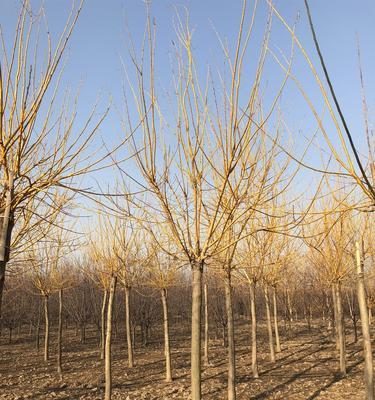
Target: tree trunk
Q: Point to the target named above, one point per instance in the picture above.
(107, 361)
(167, 351)
(335, 316)
(367, 350)
(230, 335)
(7, 223)
(46, 329)
(5, 240)
(37, 342)
(206, 337)
(277, 337)
(134, 328)
(102, 328)
(128, 327)
(254, 351)
(289, 309)
(355, 328)
(269, 325)
(196, 305)
(353, 314)
(340, 329)
(59, 335)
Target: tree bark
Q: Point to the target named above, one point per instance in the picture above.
(254, 350)
(6, 241)
(37, 341)
(196, 305)
(289, 308)
(128, 327)
(167, 351)
(269, 325)
(102, 328)
(340, 328)
(277, 336)
(230, 335)
(7, 223)
(46, 329)
(59, 336)
(367, 349)
(335, 316)
(107, 361)
(206, 337)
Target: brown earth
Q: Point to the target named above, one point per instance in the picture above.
(305, 369)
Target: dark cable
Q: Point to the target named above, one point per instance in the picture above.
(368, 183)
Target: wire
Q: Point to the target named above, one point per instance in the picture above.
(368, 183)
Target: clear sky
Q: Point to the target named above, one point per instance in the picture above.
(100, 41)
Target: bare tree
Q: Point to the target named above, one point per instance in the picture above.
(190, 185)
(42, 148)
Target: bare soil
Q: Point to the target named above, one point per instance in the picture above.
(305, 369)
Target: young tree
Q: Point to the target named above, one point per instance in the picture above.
(126, 248)
(162, 273)
(102, 250)
(40, 149)
(329, 254)
(189, 186)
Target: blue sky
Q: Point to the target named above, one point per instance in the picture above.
(100, 41)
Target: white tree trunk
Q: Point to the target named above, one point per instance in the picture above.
(254, 350)
(167, 351)
(367, 349)
(230, 335)
(276, 325)
(107, 360)
(102, 327)
(46, 329)
(340, 328)
(197, 270)
(269, 325)
(128, 328)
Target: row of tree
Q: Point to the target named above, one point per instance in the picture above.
(208, 186)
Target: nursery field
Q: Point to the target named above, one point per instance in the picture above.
(305, 369)
(187, 200)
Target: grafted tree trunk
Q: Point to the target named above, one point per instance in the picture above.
(230, 335)
(102, 328)
(46, 328)
(196, 305)
(367, 348)
(59, 336)
(108, 339)
(269, 325)
(128, 327)
(340, 328)
(277, 337)
(206, 337)
(254, 350)
(167, 351)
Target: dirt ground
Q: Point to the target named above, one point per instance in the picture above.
(305, 369)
